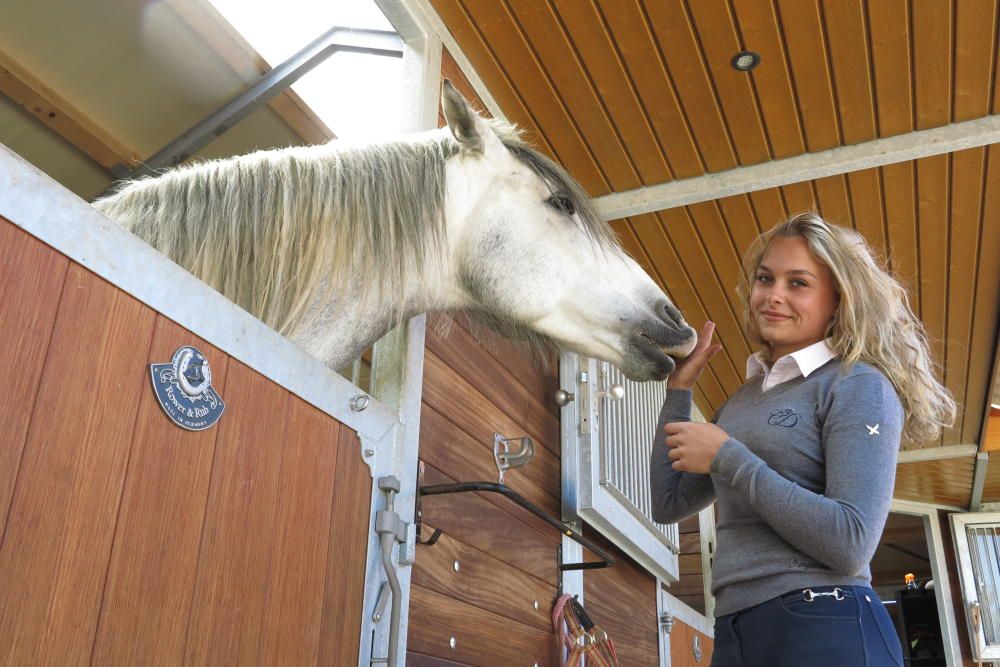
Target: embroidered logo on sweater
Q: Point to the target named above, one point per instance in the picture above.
(785, 417)
(872, 430)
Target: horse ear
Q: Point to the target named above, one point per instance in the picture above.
(465, 124)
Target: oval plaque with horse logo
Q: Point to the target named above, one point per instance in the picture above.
(184, 390)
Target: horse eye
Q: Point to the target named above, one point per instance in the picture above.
(562, 204)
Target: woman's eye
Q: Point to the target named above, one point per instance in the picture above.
(763, 279)
(562, 204)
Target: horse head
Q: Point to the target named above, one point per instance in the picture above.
(529, 252)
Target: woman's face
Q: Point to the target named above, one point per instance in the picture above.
(793, 297)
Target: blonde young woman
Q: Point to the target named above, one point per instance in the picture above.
(801, 459)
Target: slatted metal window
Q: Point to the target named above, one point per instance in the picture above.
(977, 543)
(607, 437)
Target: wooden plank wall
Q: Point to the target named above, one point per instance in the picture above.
(691, 588)
(682, 646)
(126, 540)
(506, 556)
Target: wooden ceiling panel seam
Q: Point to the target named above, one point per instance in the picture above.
(678, 48)
(798, 198)
(714, 379)
(873, 88)
(729, 257)
(603, 141)
(484, 72)
(975, 45)
(755, 95)
(966, 231)
(673, 89)
(868, 209)
(533, 127)
(996, 67)
(770, 204)
(635, 89)
(746, 133)
(846, 35)
(740, 222)
(887, 255)
(707, 256)
(809, 63)
(636, 96)
(613, 176)
(832, 200)
(934, 68)
(648, 173)
(728, 330)
(890, 37)
(849, 191)
(900, 218)
(986, 311)
(693, 162)
(720, 375)
(772, 86)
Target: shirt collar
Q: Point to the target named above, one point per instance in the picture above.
(807, 359)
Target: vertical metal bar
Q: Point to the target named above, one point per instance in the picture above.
(356, 373)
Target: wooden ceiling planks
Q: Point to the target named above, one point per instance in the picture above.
(985, 281)
(947, 481)
(975, 44)
(648, 73)
(809, 61)
(678, 44)
(848, 51)
(963, 253)
(636, 92)
(889, 26)
(932, 62)
(719, 39)
(595, 47)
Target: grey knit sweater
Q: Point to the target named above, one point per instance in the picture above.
(802, 485)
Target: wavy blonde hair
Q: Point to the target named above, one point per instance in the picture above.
(873, 321)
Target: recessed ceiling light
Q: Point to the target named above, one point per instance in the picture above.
(745, 61)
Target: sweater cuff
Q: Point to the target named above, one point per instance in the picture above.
(677, 405)
(730, 458)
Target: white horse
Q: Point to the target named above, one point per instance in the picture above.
(334, 244)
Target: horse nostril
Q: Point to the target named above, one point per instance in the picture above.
(671, 314)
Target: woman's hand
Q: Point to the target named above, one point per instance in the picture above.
(693, 445)
(689, 369)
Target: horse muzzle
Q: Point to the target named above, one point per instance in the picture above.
(650, 352)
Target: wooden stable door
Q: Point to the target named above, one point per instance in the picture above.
(129, 541)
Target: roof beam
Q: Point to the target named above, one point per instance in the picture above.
(937, 453)
(225, 40)
(841, 160)
(979, 481)
(28, 92)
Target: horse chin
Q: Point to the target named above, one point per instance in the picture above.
(644, 361)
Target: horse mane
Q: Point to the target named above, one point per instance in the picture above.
(264, 229)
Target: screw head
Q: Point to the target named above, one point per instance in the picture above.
(452, 642)
(536, 605)
(369, 452)
(456, 566)
(359, 402)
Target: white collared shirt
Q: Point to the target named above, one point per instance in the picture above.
(801, 362)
